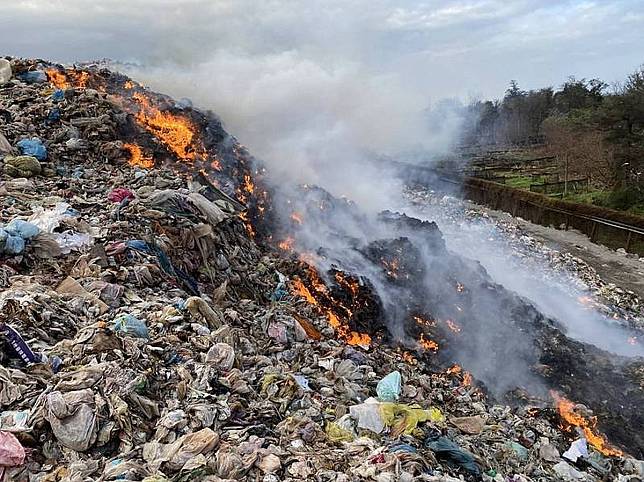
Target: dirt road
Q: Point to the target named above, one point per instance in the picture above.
(625, 271)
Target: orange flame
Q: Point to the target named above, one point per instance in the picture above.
(136, 157)
(247, 187)
(309, 258)
(452, 325)
(59, 79)
(247, 224)
(297, 217)
(351, 337)
(350, 284)
(341, 328)
(467, 379)
(286, 244)
(317, 283)
(566, 410)
(176, 132)
(427, 344)
(409, 358)
(454, 369)
(67, 78)
(80, 78)
(303, 291)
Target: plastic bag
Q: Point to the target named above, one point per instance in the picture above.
(444, 448)
(24, 229)
(368, 415)
(12, 453)
(388, 388)
(49, 219)
(340, 430)
(280, 290)
(405, 418)
(70, 241)
(131, 325)
(22, 166)
(119, 194)
(579, 448)
(13, 245)
(33, 147)
(222, 355)
(5, 71)
(73, 419)
(33, 77)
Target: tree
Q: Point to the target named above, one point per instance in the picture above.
(579, 94)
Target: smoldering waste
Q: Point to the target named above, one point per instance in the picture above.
(147, 336)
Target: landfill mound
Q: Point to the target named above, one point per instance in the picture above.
(147, 336)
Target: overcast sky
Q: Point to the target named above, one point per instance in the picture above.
(445, 47)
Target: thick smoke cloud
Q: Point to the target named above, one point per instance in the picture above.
(311, 123)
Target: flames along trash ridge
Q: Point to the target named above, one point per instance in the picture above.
(177, 133)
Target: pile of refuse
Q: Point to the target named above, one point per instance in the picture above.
(147, 337)
(562, 268)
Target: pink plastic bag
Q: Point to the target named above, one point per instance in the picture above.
(120, 193)
(12, 452)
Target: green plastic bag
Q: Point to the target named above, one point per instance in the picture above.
(388, 388)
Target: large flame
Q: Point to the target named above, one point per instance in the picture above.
(317, 287)
(571, 418)
(137, 158)
(176, 132)
(67, 78)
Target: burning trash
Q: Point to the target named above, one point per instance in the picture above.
(187, 330)
(571, 419)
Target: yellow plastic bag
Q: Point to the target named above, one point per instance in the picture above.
(405, 418)
(335, 433)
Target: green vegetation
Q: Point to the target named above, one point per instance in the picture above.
(593, 131)
(523, 182)
(629, 199)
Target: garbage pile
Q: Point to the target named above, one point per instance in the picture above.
(147, 337)
(580, 278)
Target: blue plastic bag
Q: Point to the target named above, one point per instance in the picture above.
(54, 115)
(58, 95)
(33, 147)
(131, 325)
(447, 450)
(388, 389)
(14, 245)
(33, 77)
(23, 229)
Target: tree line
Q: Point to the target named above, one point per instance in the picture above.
(596, 129)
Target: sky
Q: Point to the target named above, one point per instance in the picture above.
(441, 48)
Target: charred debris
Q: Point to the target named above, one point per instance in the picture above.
(166, 315)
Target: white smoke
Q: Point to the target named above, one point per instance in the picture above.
(310, 122)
